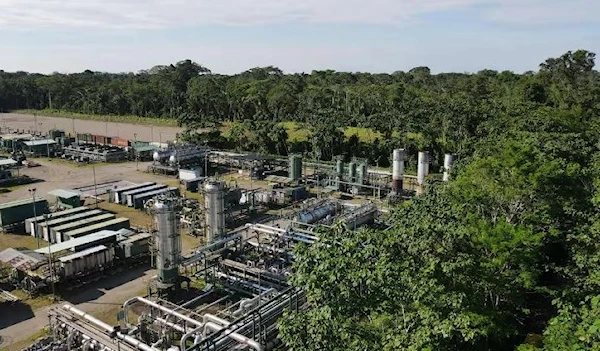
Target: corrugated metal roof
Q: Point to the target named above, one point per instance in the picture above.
(145, 148)
(65, 193)
(73, 243)
(70, 218)
(91, 250)
(84, 221)
(134, 186)
(137, 237)
(21, 259)
(7, 162)
(100, 225)
(20, 202)
(16, 136)
(39, 142)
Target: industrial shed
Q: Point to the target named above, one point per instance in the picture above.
(31, 222)
(87, 261)
(22, 259)
(45, 227)
(39, 147)
(59, 232)
(127, 197)
(66, 198)
(139, 199)
(16, 212)
(103, 237)
(115, 194)
(115, 224)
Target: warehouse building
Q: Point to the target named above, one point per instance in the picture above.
(66, 198)
(115, 194)
(39, 147)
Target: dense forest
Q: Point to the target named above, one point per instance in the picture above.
(505, 256)
(415, 109)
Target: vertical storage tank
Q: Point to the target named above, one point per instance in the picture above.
(422, 167)
(352, 172)
(214, 206)
(448, 162)
(295, 167)
(167, 239)
(397, 169)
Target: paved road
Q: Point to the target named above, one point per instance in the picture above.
(96, 298)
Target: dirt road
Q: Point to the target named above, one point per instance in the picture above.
(97, 299)
(61, 174)
(123, 130)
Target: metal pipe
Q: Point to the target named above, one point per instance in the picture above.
(185, 337)
(160, 307)
(233, 335)
(175, 326)
(110, 329)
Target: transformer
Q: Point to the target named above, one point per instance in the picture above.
(167, 239)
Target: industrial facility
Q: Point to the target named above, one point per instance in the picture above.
(230, 289)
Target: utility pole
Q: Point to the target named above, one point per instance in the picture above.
(137, 160)
(50, 261)
(95, 189)
(35, 233)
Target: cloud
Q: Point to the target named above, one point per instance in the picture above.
(172, 13)
(119, 14)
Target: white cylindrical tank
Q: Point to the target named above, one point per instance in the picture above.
(448, 161)
(214, 206)
(422, 167)
(397, 169)
(168, 241)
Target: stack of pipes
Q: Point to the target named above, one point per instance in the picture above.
(397, 170)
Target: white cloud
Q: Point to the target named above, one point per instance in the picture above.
(23, 14)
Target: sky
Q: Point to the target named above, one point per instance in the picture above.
(231, 36)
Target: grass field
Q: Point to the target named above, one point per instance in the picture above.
(14, 240)
(137, 218)
(171, 122)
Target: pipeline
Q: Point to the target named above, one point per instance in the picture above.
(160, 307)
(110, 329)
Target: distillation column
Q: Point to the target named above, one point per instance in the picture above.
(422, 168)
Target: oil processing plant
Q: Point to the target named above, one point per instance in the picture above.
(229, 291)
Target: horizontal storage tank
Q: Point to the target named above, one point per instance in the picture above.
(58, 232)
(318, 213)
(140, 199)
(114, 224)
(119, 191)
(129, 196)
(31, 222)
(45, 228)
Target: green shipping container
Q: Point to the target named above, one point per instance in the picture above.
(18, 211)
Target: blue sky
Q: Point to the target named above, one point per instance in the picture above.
(230, 36)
